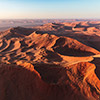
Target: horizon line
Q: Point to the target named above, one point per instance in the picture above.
(46, 18)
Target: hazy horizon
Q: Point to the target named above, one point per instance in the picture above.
(49, 9)
(49, 18)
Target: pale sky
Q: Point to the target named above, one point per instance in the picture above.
(41, 9)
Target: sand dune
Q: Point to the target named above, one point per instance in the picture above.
(72, 83)
(41, 48)
(87, 29)
(55, 61)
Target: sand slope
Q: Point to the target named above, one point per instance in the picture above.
(76, 82)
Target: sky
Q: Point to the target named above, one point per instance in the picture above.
(49, 9)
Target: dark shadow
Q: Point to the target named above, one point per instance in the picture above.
(67, 27)
(22, 30)
(96, 61)
(52, 56)
(4, 45)
(65, 50)
(10, 47)
(72, 52)
(50, 73)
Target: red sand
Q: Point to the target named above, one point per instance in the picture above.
(42, 66)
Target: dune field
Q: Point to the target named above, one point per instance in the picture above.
(53, 61)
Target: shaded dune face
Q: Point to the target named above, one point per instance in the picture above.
(16, 32)
(50, 73)
(71, 47)
(96, 61)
